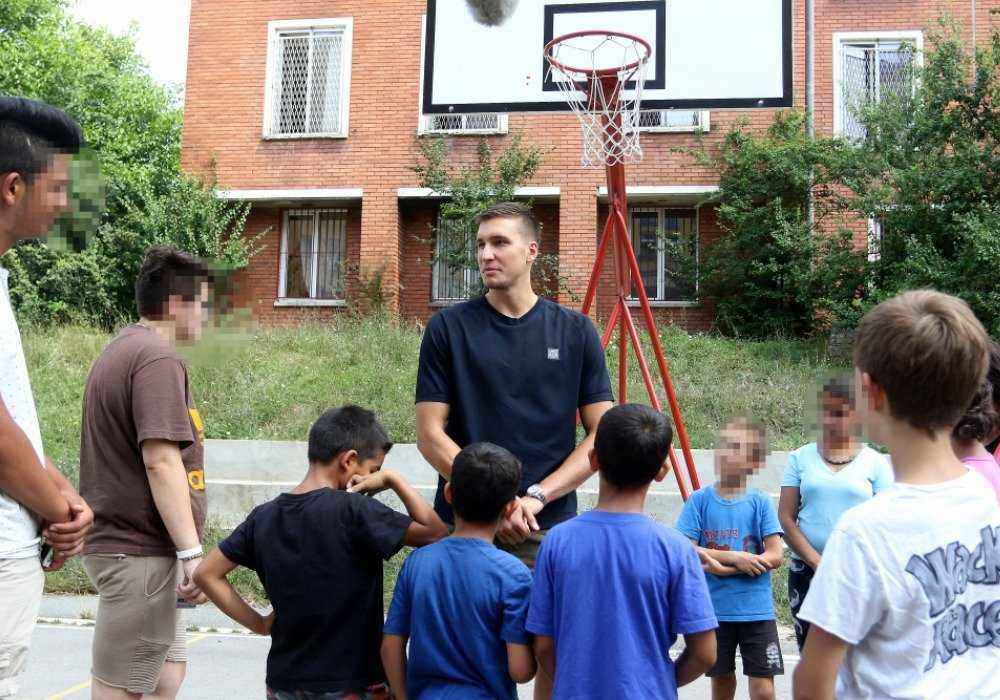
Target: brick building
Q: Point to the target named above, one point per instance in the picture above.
(331, 182)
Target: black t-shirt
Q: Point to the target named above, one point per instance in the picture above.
(319, 556)
(516, 382)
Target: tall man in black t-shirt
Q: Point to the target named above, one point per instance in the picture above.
(513, 368)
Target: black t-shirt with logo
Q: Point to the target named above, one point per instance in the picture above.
(515, 382)
(319, 557)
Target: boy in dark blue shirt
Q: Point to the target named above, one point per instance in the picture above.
(318, 551)
(462, 602)
(613, 588)
(739, 540)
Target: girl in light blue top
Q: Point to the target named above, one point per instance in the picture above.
(822, 480)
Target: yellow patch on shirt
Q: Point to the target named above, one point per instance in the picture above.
(196, 421)
(196, 479)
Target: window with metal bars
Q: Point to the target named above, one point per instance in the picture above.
(454, 278)
(479, 123)
(876, 233)
(667, 120)
(871, 71)
(665, 242)
(313, 254)
(308, 79)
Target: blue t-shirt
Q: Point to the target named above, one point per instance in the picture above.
(825, 494)
(614, 590)
(515, 382)
(460, 601)
(740, 525)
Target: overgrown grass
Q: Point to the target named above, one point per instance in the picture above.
(273, 384)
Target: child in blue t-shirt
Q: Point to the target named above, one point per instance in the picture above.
(613, 588)
(462, 602)
(739, 542)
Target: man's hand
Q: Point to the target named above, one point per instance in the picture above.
(371, 484)
(67, 538)
(748, 563)
(57, 563)
(266, 623)
(187, 588)
(515, 529)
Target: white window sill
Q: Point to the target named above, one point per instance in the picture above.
(446, 302)
(634, 303)
(309, 302)
(301, 137)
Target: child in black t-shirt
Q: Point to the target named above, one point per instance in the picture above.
(318, 552)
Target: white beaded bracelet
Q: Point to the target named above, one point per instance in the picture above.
(188, 554)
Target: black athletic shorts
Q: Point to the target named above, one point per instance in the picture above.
(758, 645)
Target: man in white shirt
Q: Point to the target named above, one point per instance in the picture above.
(35, 499)
(906, 600)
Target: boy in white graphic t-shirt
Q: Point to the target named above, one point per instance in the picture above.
(906, 600)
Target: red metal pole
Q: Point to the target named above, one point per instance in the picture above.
(595, 272)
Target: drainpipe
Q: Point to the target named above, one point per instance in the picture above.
(811, 95)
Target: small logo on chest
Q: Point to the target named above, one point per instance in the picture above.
(553, 353)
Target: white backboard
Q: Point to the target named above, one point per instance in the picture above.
(706, 53)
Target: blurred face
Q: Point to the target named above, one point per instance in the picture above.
(504, 253)
(188, 317)
(36, 205)
(837, 418)
(738, 454)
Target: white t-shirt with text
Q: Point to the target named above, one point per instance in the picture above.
(911, 580)
(19, 538)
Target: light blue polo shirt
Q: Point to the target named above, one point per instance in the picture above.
(824, 494)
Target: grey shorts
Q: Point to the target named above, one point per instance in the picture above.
(527, 551)
(138, 625)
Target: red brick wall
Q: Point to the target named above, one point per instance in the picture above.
(224, 105)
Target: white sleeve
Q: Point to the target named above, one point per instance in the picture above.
(847, 597)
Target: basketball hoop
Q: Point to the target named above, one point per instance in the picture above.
(601, 74)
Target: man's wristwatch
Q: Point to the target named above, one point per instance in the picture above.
(535, 491)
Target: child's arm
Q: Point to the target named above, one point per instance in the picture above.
(772, 557)
(394, 661)
(743, 562)
(545, 652)
(788, 516)
(426, 527)
(520, 662)
(710, 565)
(816, 675)
(697, 658)
(210, 577)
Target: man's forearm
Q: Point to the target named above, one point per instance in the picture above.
(439, 450)
(64, 485)
(394, 662)
(169, 484)
(572, 473)
(22, 476)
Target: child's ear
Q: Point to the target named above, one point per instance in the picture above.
(348, 461)
(448, 494)
(662, 474)
(872, 393)
(595, 465)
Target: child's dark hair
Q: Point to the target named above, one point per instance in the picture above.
(346, 428)
(981, 420)
(165, 272)
(30, 132)
(631, 444)
(484, 479)
(839, 387)
(993, 373)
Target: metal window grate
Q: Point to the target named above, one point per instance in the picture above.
(664, 277)
(876, 233)
(308, 86)
(453, 281)
(313, 252)
(671, 120)
(481, 123)
(872, 71)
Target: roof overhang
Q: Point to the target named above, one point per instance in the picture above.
(664, 194)
(520, 193)
(293, 197)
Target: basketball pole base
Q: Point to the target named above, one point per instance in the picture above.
(627, 271)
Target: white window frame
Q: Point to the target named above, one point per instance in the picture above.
(704, 123)
(274, 30)
(914, 37)
(661, 261)
(470, 276)
(283, 300)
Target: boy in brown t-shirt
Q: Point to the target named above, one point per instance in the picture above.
(141, 468)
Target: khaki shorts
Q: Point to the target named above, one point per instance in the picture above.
(527, 551)
(21, 583)
(138, 625)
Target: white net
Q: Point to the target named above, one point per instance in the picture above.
(601, 75)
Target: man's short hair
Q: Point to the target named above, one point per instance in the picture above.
(928, 351)
(166, 272)
(484, 479)
(347, 428)
(631, 444)
(30, 133)
(513, 210)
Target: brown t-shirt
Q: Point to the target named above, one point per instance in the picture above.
(137, 390)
